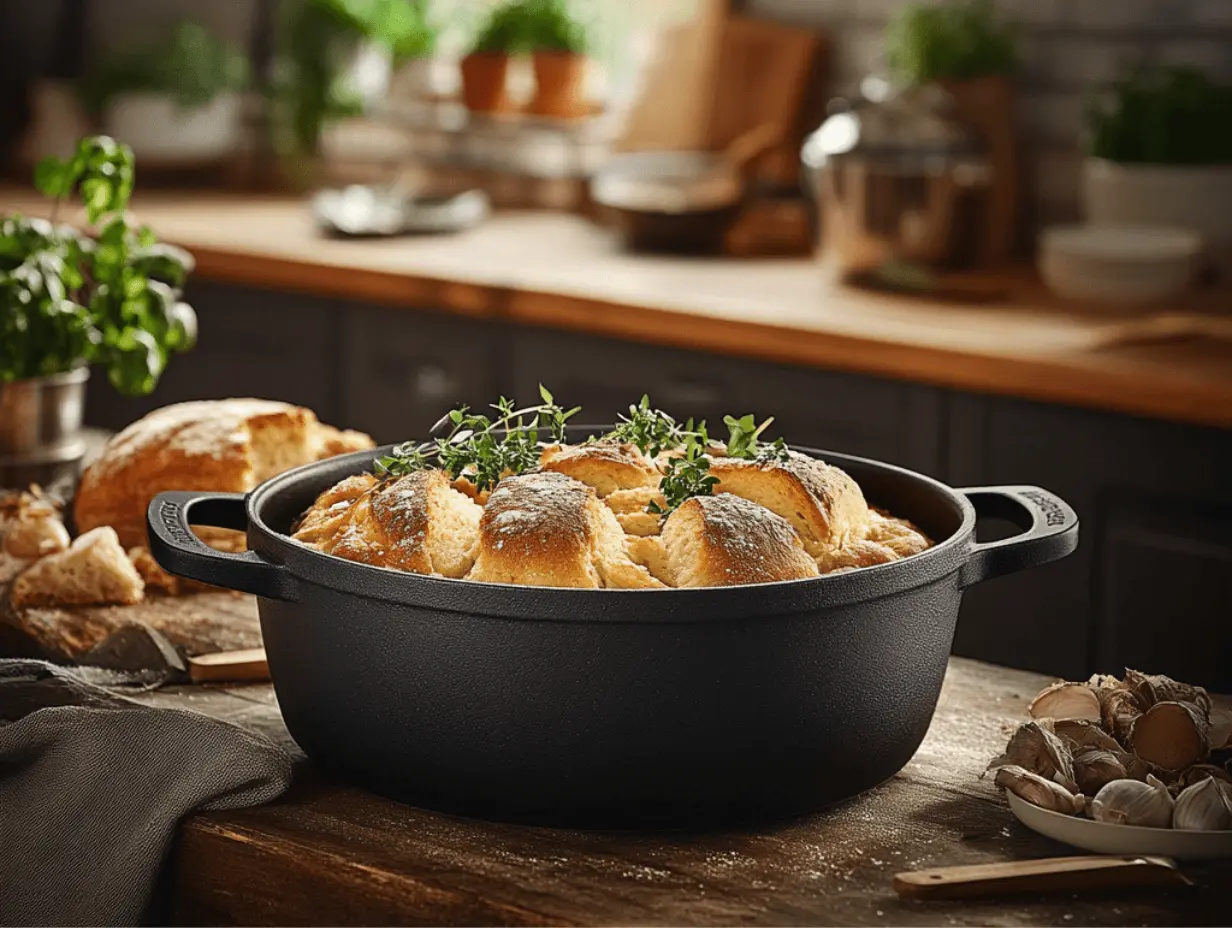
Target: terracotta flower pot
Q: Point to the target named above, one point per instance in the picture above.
(559, 80)
(483, 81)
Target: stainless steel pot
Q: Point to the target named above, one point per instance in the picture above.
(898, 184)
(40, 427)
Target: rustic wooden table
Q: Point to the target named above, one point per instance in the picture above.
(328, 854)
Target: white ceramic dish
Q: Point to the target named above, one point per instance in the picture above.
(1105, 838)
(1119, 265)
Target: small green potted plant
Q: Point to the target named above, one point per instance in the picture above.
(969, 49)
(1160, 153)
(109, 296)
(177, 100)
(485, 67)
(559, 45)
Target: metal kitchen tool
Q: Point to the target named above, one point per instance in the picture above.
(1049, 874)
(360, 210)
(898, 183)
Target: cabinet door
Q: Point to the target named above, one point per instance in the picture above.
(402, 370)
(839, 412)
(1149, 494)
(605, 377)
(259, 343)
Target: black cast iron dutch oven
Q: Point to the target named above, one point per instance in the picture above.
(600, 707)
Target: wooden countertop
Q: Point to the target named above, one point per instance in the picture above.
(561, 271)
(327, 854)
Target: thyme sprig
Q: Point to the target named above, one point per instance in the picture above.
(687, 474)
(483, 448)
(651, 430)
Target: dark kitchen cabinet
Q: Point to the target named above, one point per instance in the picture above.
(1151, 583)
(858, 415)
(402, 370)
(261, 343)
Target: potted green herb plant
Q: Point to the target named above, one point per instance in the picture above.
(1160, 153)
(967, 48)
(178, 100)
(485, 68)
(68, 299)
(558, 43)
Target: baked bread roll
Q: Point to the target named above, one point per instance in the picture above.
(899, 535)
(632, 509)
(223, 445)
(858, 553)
(417, 523)
(727, 540)
(822, 503)
(93, 570)
(547, 529)
(607, 466)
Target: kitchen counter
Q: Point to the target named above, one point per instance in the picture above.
(328, 854)
(560, 271)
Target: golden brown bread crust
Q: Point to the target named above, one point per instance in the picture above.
(547, 529)
(823, 503)
(93, 570)
(222, 445)
(726, 540)
(607, 466)
(899, 535)
(417, 523)
(858, 553)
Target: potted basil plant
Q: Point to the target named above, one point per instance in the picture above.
(1160, 153)
(109, 296)
(178, 100)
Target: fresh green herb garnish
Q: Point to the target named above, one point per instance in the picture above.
(651, 430)
(482, 448)
(774, 453)
(687, 475)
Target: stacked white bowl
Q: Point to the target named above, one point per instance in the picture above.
(1119, 265)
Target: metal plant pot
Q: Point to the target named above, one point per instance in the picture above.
(40, 427)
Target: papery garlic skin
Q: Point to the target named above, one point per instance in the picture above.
(1039, 791)
(1131, 802)
(1204, 806)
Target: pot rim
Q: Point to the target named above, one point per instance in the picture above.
(512, 601)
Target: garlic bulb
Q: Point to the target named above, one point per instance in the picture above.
(1154, 688)
(1037, 749)
(1130, 802)
(1084, 734)
(1170, 735)
(1119, 709)
(1205, 806)
(1065, 701)
(1039, 791)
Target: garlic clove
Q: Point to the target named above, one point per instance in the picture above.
(1094, 769)
(1131, 802)
(1034, 747)
(1196, 774)
(1083, 734)
(1156, 688)
(1065, 701)
(1038, 790)
(1221, 729)
(1204, 806)
(1170, 735)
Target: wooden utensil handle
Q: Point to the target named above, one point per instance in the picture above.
(1045, 875)
(229, 666)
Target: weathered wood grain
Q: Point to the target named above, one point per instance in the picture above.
(196, 623)
(328, 854)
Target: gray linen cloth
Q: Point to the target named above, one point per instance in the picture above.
(92, 786)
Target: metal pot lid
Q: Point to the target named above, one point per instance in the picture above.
(909, 125)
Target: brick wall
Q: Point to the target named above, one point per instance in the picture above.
(1068, 45)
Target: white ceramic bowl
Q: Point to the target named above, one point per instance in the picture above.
(1119, 265)
(1106, 838)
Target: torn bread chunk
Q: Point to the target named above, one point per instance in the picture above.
(632, 509)
(822, 503)
(93, 570)
(858, 553)
(606, 466)
(417, 523)
(548, 529)
(727, 540)
(899, 535)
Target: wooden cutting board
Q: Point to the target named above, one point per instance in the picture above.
(162, 633)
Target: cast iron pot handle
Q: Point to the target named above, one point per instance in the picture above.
(1052, 535)
(177, 548)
